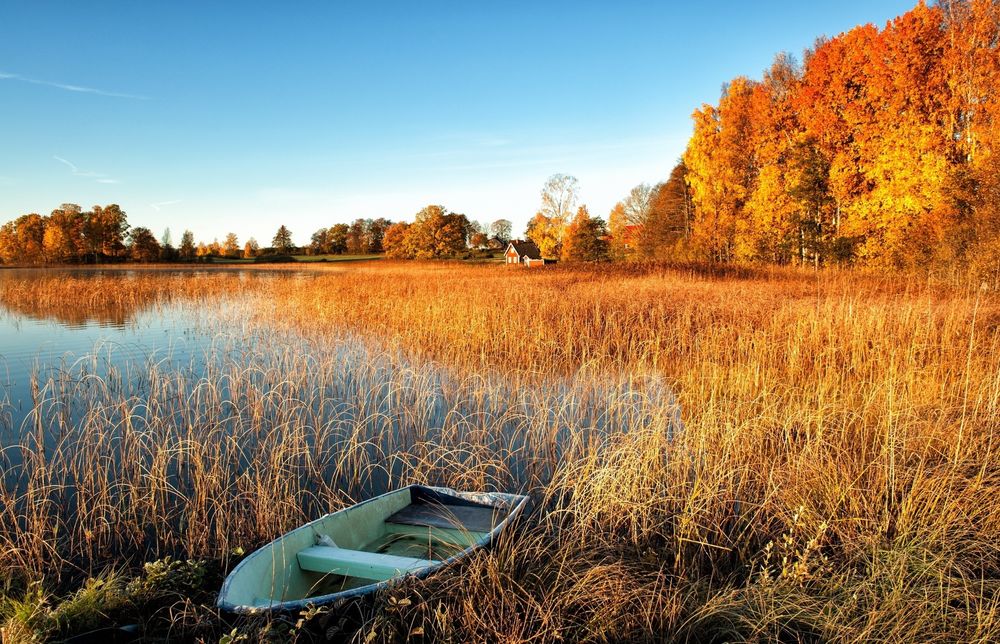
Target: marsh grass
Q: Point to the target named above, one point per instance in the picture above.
(834, 478)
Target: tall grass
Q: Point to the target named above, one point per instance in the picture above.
(834, 478)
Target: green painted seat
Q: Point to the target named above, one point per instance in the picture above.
(357, 563)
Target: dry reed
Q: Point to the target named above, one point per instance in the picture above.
(834, 479)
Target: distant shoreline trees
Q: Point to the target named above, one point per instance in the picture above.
(360, 237)
(68, 234)
(882, 149)
(435, 233)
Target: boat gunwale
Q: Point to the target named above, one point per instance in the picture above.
(518, 504)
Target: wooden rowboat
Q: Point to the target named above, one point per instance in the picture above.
(363, 549)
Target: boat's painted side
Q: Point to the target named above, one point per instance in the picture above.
(272, 579)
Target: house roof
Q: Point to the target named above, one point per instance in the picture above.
(526, 249)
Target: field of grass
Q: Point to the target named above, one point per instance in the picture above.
(833, 476)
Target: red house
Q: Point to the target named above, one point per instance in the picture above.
(523, 252)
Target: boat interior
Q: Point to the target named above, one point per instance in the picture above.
(372, 542)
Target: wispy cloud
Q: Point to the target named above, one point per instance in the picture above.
(159, 205)
(99, 177)
(70, 88)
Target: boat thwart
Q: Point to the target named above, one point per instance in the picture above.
(362, 549)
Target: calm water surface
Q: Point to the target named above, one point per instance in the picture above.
(56, 348)
(37, 342)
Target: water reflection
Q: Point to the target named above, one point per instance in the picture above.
(71, 315)
(115, 297)
(52, 321)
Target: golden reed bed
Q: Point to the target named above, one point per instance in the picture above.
(835, 478)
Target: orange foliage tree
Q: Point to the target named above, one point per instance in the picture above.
(880, 149)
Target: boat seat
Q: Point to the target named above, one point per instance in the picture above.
(460, 517)
(357, 563)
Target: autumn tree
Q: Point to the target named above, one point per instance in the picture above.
(667, 226)
(282, 242)
(970, 70)
(438, 233)
(336, 238)
(546, 234)
(319, 243)
(187, 247)
(356, 237)
(105, 231)
(559, 195)
(142, 245)
(231, 246)
(626, 220)
(586, 238)
(904, 218)
(773, 217)
(8, 243)
(29, 239)
(250, 249)
(621, 245)
(721, 171)
(64, 240)
(375, 234)
(478, 239)
(874, 150)
(396, 241)
(435, 233)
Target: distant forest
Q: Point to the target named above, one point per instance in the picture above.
(881, 149)
(72, 235)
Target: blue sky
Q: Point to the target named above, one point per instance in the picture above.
(221, 117)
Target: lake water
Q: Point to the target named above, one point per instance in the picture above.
(37, 342)
(58, 346)
(190, 425)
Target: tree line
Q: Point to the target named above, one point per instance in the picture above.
(561, 229)
(72, 235)
(882, 148)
